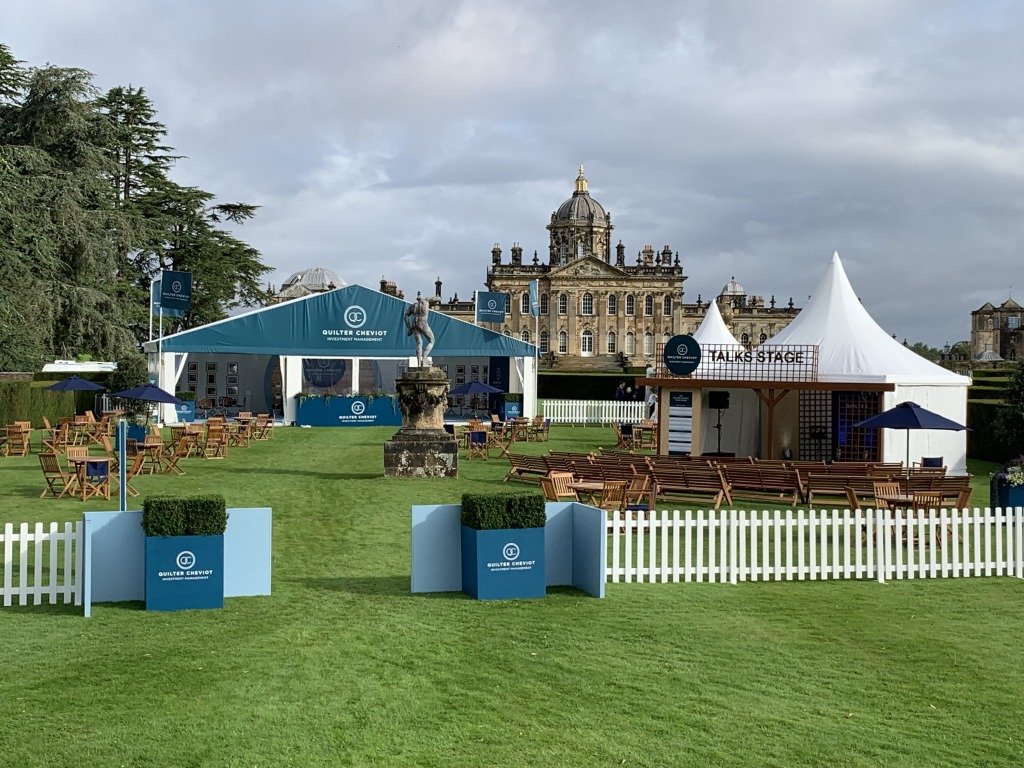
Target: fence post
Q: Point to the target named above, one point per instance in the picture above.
(734, 565)
(881, 545)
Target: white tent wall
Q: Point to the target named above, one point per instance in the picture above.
(948, 401)
(741, 424)
(169, 370)
(526, 367)
(291, 386)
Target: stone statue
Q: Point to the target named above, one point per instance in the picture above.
(416, 323)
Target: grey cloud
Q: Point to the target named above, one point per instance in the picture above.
(755, 138)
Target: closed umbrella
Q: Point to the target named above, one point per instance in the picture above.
(75, 384)
(908, 416)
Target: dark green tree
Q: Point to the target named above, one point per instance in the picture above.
(1010, 420)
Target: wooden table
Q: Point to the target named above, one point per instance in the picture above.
(591, 489)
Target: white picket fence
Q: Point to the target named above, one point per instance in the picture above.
(737, 545)
(592, 411)
(32, 554)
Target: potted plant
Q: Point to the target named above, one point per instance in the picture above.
(503, 545)
(184, 551)
(1007, 485)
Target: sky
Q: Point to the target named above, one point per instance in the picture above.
(405, 139)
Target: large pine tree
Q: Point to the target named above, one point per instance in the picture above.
(89, 214)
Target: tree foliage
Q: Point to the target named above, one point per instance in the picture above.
(1010, 421)
(89, 215)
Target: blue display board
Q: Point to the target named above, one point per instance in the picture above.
(348, 412)
(503, 564)
(186, 411)
(184, 572)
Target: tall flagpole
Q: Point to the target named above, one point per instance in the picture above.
(151, 284)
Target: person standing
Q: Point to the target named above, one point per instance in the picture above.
(620, 392)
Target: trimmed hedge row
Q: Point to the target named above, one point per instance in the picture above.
(982, 442)
(582, 386)
(201, 515)
(493, 511)
(30, 401)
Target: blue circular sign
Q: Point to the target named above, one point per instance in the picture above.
(682, 355)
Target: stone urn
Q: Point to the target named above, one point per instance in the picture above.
(421, 448)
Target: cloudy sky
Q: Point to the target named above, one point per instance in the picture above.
(406, 138)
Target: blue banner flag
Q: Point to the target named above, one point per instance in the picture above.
(154, 295)
(175, 293)
(490, 307)
(534, 299)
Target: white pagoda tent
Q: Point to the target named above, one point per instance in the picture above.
(853, 348)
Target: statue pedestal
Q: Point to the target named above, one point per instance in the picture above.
(421, 448)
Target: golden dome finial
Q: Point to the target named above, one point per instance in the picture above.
(581, 182)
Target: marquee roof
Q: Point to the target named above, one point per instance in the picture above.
(713, 329)
(353, 321)
(851, 345)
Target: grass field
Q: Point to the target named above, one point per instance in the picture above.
(342, 666)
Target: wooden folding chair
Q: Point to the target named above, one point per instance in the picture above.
(181, 451)
(17, 441)
(95, 479)
(885, 489)
(134, 470)
(54, 476)
(478, 445)
(613, 495)
(560, 486)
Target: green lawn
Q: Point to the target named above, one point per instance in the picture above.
(342, 666)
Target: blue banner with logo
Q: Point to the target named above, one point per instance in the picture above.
(354, 411)
(175, 293)
(534, 298)
(184, 572)
(490, 307)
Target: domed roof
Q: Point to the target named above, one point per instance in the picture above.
(732, 288)
(315, 279)
(580, 206)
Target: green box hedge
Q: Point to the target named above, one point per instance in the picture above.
(204, 515)
(494, 511)
(31, 401)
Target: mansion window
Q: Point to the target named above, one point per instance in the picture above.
(648, 344)
(666, 306)
(563, 342)
(630, 343)
(648, 306)
(507, 332)
(764, 337)
(563, 304)
(587, 304)
(508, 304)
(611, 342)
(543, 303)
(745, 339)
(613, 304)
(525, 335)
(545, 344)
(587, 343)
(524, 304)
(631, 305)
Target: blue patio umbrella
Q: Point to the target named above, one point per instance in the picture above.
(909, 416)
(75, 384)
(475, 388)
(150, 392)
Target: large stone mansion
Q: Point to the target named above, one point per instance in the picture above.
(598, 312)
